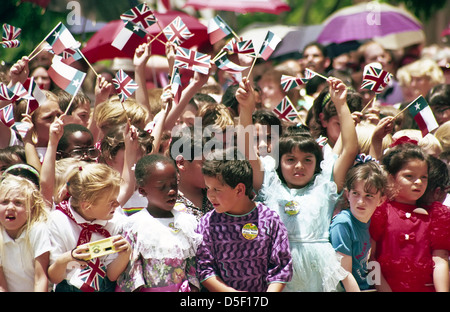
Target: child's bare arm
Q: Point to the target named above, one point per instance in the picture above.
(246, 99)
(338, 94)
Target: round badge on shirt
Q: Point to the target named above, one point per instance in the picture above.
(292, 208)
(250, 231)
(173, 228)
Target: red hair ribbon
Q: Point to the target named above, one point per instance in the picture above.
(403, 140)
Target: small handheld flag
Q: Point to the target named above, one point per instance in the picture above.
(10, 32)
(375, 78)
(124, 85)
(177, 31)
(129, 38)
(192, 60)
(225, 64)
(217, 29)
(290, 82)
(423, 115)
(60, 39)
(7, 115)
(269, 45)
(242, 47)
(140, 15)
(286, 110)
(64, 76)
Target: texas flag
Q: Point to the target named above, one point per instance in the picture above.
(423, 115)
(217, 29)
(65, 76)
(60, 38)
(129, 38)
(225, 64)
(269, 45)
(38, 96)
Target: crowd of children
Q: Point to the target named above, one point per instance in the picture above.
(346, 198)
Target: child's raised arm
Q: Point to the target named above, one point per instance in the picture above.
(102, 90)
(186, 95)
(245, 95)
(47, 176)
(338, 95)
(141, 57)
(383, 128)
(128, 183)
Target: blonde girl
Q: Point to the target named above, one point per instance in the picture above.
(88, 215)
(24, 239)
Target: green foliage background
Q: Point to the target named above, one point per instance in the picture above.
(36, 24)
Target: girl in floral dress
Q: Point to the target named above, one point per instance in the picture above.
(163, 239)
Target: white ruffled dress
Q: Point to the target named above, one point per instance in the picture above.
(163, 256)
(307, 213)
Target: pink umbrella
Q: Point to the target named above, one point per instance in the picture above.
(367, 21)
(241, 6)
(99, 46)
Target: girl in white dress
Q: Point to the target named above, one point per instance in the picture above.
(304, 190)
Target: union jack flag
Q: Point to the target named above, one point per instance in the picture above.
(309, 74)
(10, 32)
(290, 82)
(177, 31)
(124, 85)
(7, 115)
(11, 43)
(192, 60)
(243, 47)
(286, 110)
(92, 276)
(141, 15)
(17, 92)
(374, 78)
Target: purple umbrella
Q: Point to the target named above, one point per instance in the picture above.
(367, 21)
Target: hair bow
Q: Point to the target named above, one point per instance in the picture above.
(403, 140)
(363, 158)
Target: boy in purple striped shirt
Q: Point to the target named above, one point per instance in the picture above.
(245, 244)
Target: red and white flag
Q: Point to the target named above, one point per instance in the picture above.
(423, 115)
(269, 45)
(192, 60)
(10, 32)
(11, 43)
(7, 115)
(129, 38)
(290, 82)
(14, 93)
(242, 47)
(286, 110)
(124, 85)
(65, 76)
(60, 39)
(217, 29)
(177, 31)
(375, 78)
(225, 64)
(34, 91)
(140, 15)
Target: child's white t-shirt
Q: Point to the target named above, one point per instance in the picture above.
(18, 257)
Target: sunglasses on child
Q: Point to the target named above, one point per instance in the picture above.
(80, 153)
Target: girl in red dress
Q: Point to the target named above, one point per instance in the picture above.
(408, 240)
